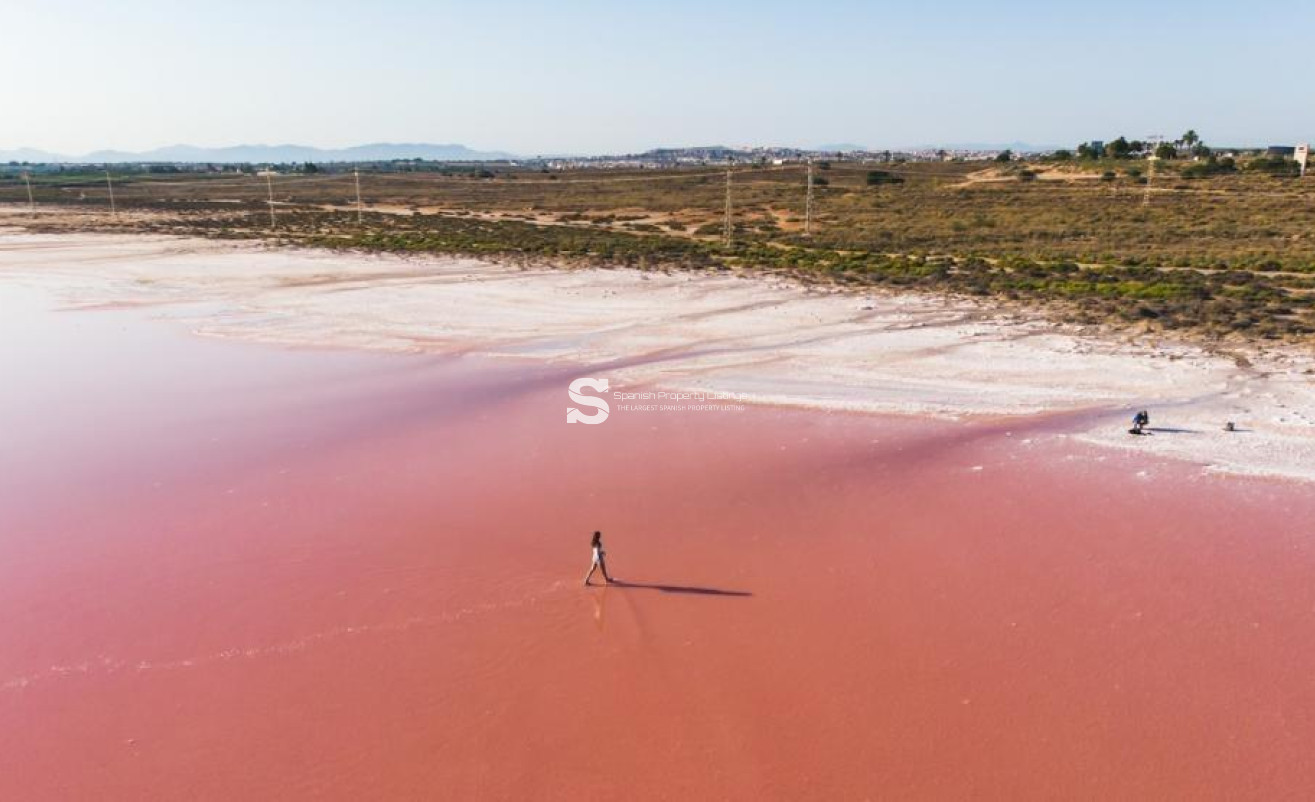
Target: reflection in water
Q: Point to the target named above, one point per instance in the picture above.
(600, 603)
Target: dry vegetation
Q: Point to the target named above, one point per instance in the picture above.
(1230, 254)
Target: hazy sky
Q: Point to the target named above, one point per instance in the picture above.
(621, 76)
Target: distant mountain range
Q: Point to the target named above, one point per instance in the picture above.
(258, 154)
(386, 151)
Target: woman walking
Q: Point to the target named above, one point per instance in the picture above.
(599, 559)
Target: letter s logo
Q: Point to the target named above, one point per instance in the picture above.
(574, 415)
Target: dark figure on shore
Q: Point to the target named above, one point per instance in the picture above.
(1139, 422)
(599, 559)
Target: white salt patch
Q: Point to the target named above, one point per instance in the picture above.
(774, 342)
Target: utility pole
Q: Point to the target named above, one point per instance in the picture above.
(1150, 176)
(110, 186)
(726, 224)
(31, 204)
(357, 173)
(808, 202)
(269, 183)
(1155, 142)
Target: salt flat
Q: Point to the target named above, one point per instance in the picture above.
(770, 340)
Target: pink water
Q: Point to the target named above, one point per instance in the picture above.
(237, 572)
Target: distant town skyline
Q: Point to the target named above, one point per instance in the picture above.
(602, 78)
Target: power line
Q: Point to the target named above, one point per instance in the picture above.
(269, 183)
(726, 224)
(237, 182)
(110, 185)
(357, 175)
(808, 203)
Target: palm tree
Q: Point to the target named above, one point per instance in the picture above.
(1190, 138)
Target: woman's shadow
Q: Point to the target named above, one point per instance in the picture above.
(695, 591)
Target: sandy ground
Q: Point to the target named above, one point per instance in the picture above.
(769, 340)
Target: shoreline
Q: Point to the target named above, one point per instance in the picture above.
(766, 338)
(377, 557)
